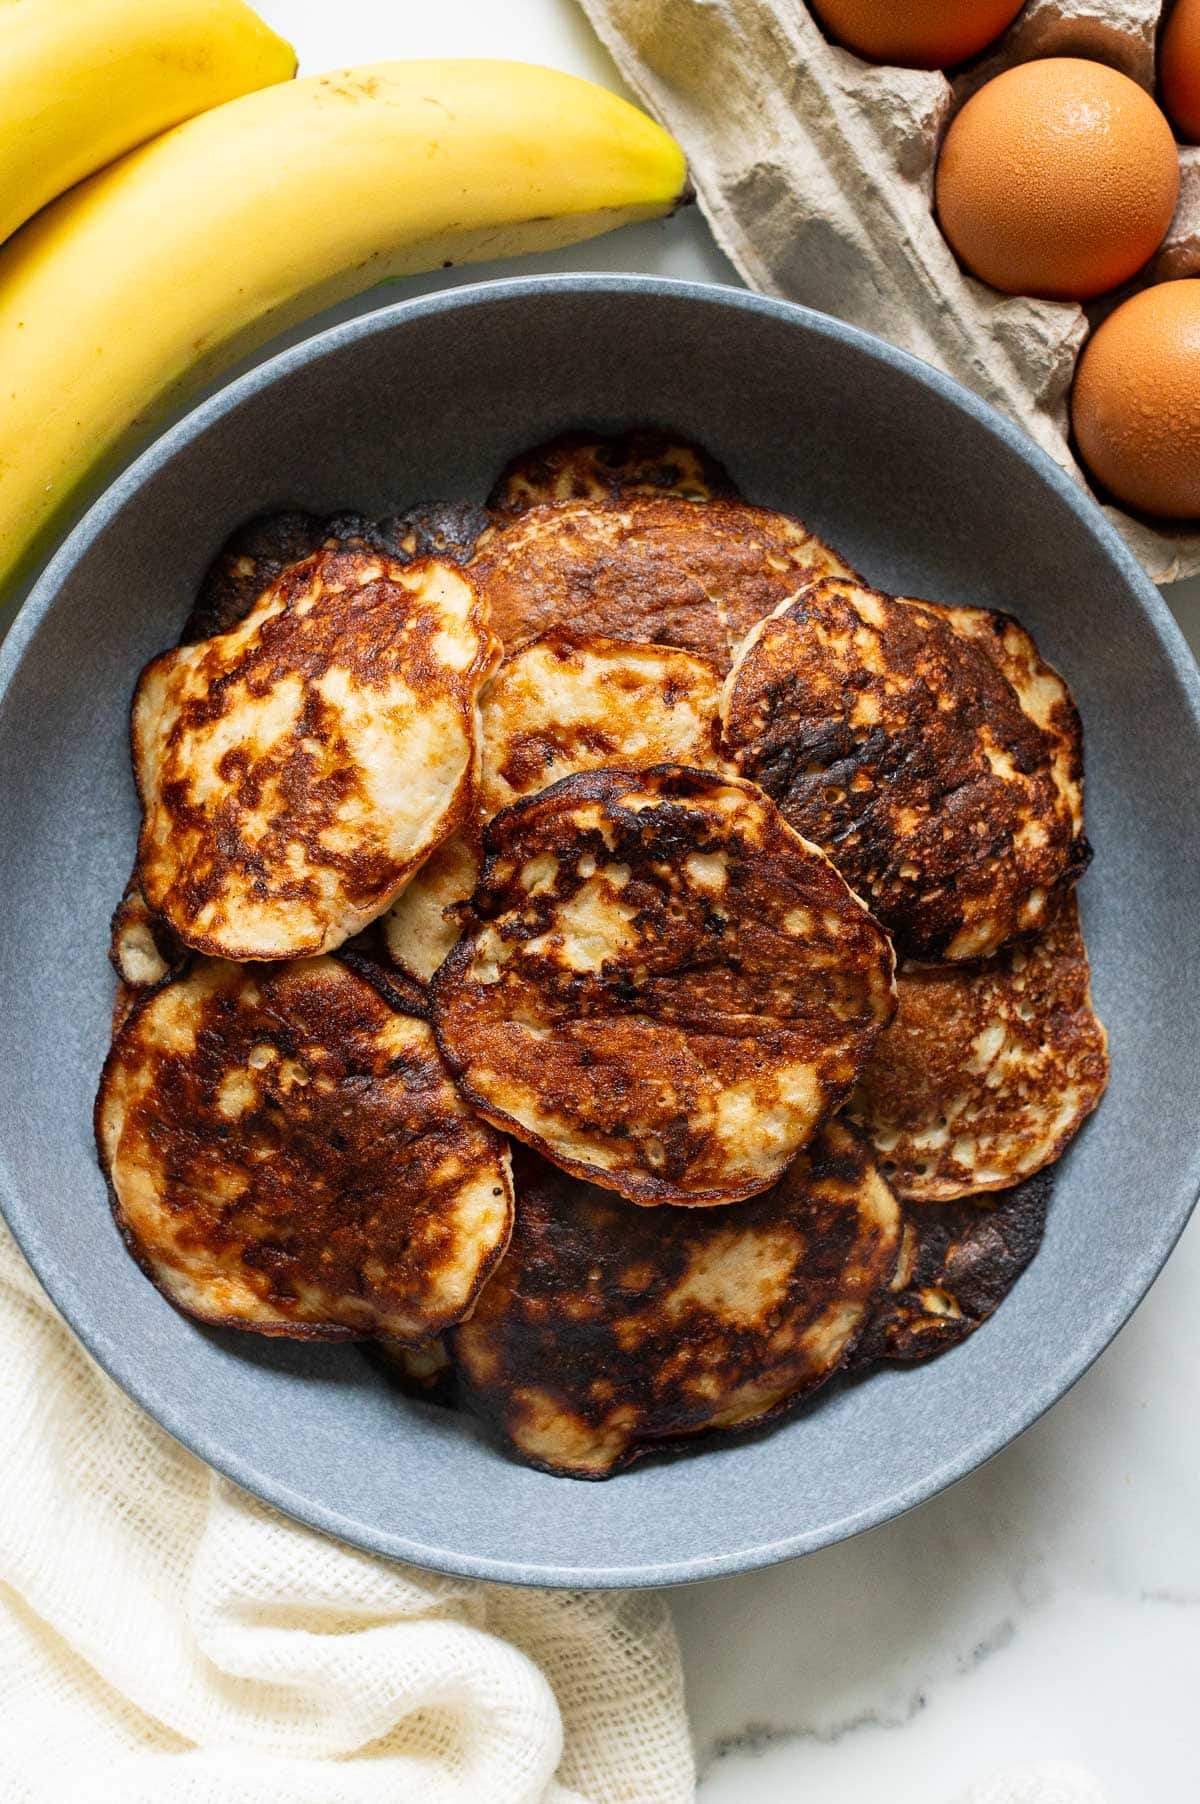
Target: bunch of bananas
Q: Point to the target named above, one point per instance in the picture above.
(171, 198)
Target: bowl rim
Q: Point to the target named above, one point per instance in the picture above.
(122, 1363)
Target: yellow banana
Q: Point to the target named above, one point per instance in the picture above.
(86, 80)
(159, 270)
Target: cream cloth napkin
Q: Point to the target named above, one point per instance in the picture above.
(164, 1637)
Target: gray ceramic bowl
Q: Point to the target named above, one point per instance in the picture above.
(930, 493)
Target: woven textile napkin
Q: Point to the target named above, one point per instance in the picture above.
(164, 1637)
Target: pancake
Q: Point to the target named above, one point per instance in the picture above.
(295, 771)
(989, 1070)
(958, 1261)
(563, 703)
(142, 949)
(899, 746)
(662, 988)
(423, 923)
(256, 554)
(659, 569)
(608, 1332)
(287, 1154)
(251, 559)
(426, 1373)
(597, 466)
(1043, 695)
(441, 529)
(570, 702)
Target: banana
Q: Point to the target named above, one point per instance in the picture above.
(86, 80)
(154, 274)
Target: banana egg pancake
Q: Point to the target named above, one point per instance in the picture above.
(422, 924)
(660, 569)
(618, 816)
(251, 559)
(296, 770)
(958, 1261)
(258, 552)
(988, 1070)
(661, 987)
(900, 747)
(590, 466)
(425, 1372)
(608, 1331)
(142, 949)
(1043, 695)
(287, 1153)
(570, 702)
(562, 703)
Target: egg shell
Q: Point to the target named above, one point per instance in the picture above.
(1179, 69)
(1135, 406)
(1058, 179)
(916, 34)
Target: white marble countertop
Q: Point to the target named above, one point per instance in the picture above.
(1049, 1606)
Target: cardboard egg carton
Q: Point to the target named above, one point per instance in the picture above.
(815, 171)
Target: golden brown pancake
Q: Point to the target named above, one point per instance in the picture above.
(608, 1331)
(1043, 695)
(989, 1070)
(563, 703)
(425, 1372)
(424, 921)
(287, 1153)
(295, 771)
(958, 1261)
(142, 949)
(654, 568)
(597, 466)
(251, 559)
(569, 702)
(662, 988)
(256, 554)
(898, 745)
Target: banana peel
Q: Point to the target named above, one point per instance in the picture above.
(155, 274)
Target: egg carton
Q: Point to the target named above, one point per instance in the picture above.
(815, 171)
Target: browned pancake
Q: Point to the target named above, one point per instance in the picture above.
(899, 746)
(988, 1070)
(659, 569)
(251, 559)
(598, 466)
(287, 1153)
(424, 921)
(958, 1261)
(1041, 691)
(142, 949)
(295, 771)
(426, 1373)
(662, 988)
(256, 554)
(575, 701)
(563, 703)
(609, 1331)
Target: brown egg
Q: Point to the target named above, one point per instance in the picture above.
(920, 34)
(1058, 178)
(1179, 69)
(1136, 404)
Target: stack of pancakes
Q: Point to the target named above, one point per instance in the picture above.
(598, 949)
